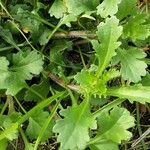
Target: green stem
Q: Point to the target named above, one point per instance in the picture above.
(4, 107)
(36, 93)
(11, 47)
(25, 117)
(4, 8)
(47, 122)
(47, 23)
(20, 104)
(74, 102)
(108, 106)
(138, 126)
(25, 140)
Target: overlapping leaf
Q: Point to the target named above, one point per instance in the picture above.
(57, 9)
(108, 34)
(132, 67)
(75, 7)
(127, 8)
(137, 93)
(113, 126)
(108, 8)
(88, 83)
(137, 27)
(24, 66)
(74, 128)
(36, 123)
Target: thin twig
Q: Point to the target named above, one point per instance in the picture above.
(62, 83)
(75, 34)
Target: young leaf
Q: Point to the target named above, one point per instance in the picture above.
(24, 66)
(136, 28)
(36, 123)
(108, 8)
(7, 121)
(132, 67)
(137, 93)
(108, 34)
(114, 125)
(74, 128)
(88, 84)
(57, 9)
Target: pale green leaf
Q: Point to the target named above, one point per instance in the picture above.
(132, 67)
(113, 125)
(24, 66)
(108, 34)
(136, 28)
(57, 9)
(108, 8)
(74, 128)
(77, 7)
(134, 93)
(89, 84)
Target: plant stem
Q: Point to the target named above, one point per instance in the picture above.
(4, 107)
(20, 104)
(47, 122)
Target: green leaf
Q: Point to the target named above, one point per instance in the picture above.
(132, 67)
(77, 7)
(7, 121)
(57, 50)
(74, 128)
(44, 37)
(7, 36)
(57, 9)
(88, 84)
(127, 8)
(108, 34)
(36, 123)
(28, 23)
(24, 66)
(146, 80)
(108, 8)
(136, 28)
(113, 125)
(41, 88)
(137, 93)
(104, 145)
(4, 144)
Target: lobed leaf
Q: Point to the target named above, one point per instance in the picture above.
(132, 65)
(108, 34)
(74, 128)
(108, 8)
(24, 66)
